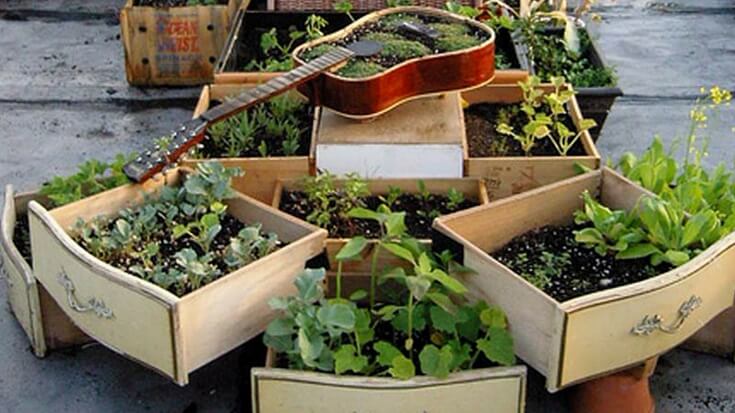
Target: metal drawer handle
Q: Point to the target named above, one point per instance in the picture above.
(93, 304)
(649, 324)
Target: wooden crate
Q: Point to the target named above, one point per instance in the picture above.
(497, 390)
(261, 174)
(423, 138)
(243, 42)
(173, 46)
(591, 335)
(472, 188)
(511, 175)
(46, 326)
(172, 335)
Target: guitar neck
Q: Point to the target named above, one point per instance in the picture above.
(191, 132)
(277, 85)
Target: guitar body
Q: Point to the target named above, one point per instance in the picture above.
(367, 97)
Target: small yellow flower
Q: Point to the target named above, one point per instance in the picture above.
(719, 95)
(698, 115)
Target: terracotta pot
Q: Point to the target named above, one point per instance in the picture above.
(626, 391)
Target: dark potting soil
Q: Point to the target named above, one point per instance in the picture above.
(170, 3)
(169, 247)
(579, 272)
(22, 238)
(418, 214)
(305, 116)
(485, 141)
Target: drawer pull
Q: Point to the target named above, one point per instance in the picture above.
(649, 324)
(93, 304)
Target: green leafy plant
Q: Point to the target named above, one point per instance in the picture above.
(331, 203)
(545, 114)
(201, 2)
(278, 55)
(175, 239)
(437, 335)
(656, 228)
(93, 176)
(278, 121)
(344, 6)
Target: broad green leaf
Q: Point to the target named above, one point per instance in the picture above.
(280, 344)
(352, 249)
(281, 327)
(443, 301)
(435, 362)
(403, 368)
(400, 321)
(442, 320)
(310, 347)
(363, 330)
(499, 348)
(418, 286)
(637, 251)
(448, 282)
(589, 236)
(337, 315)
(461, 354)
(677, 258)
(399, 252)
(395, 273)
(469, 325)
(358, 295)
(364, 213)
(346, 360)
(209, 220)
(387, 352)
(387, 312)
(396, 224)
(493, 317)
(309, 284)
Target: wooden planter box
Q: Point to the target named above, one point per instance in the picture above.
(497, 390)
(261, 174)
(518, 55)
(595, 102)
(243, 43)
(594, 334)
(173, 46)
(46, 326)
(172, 335)
(511, 175)
(472, 188)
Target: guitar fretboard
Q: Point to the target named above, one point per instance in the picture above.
(278, 85)
(191, 132)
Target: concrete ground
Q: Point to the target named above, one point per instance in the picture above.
(64, 98)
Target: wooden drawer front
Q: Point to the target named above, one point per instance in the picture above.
(295, 392)
(510, 176)
(18, 294)
(109, 311)
(600, 338)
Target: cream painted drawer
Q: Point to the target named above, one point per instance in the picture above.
(497, 390)
(623, 332)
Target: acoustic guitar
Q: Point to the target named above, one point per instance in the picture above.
(439, 72)
(436, 73)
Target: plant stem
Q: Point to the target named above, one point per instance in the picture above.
(374, 273)
(410, 324)
(339, 279)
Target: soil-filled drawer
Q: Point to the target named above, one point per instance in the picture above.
(285, 391)
(625, 331)
(576, 339)
(171, 334)
(129, 321)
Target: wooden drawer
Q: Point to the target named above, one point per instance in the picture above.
(261, 174)
(601, 332)
(285, 391)
(512, 175)
(472, 188)
(172, 335)
(45, 325)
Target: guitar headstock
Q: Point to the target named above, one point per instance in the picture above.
(166, 150)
